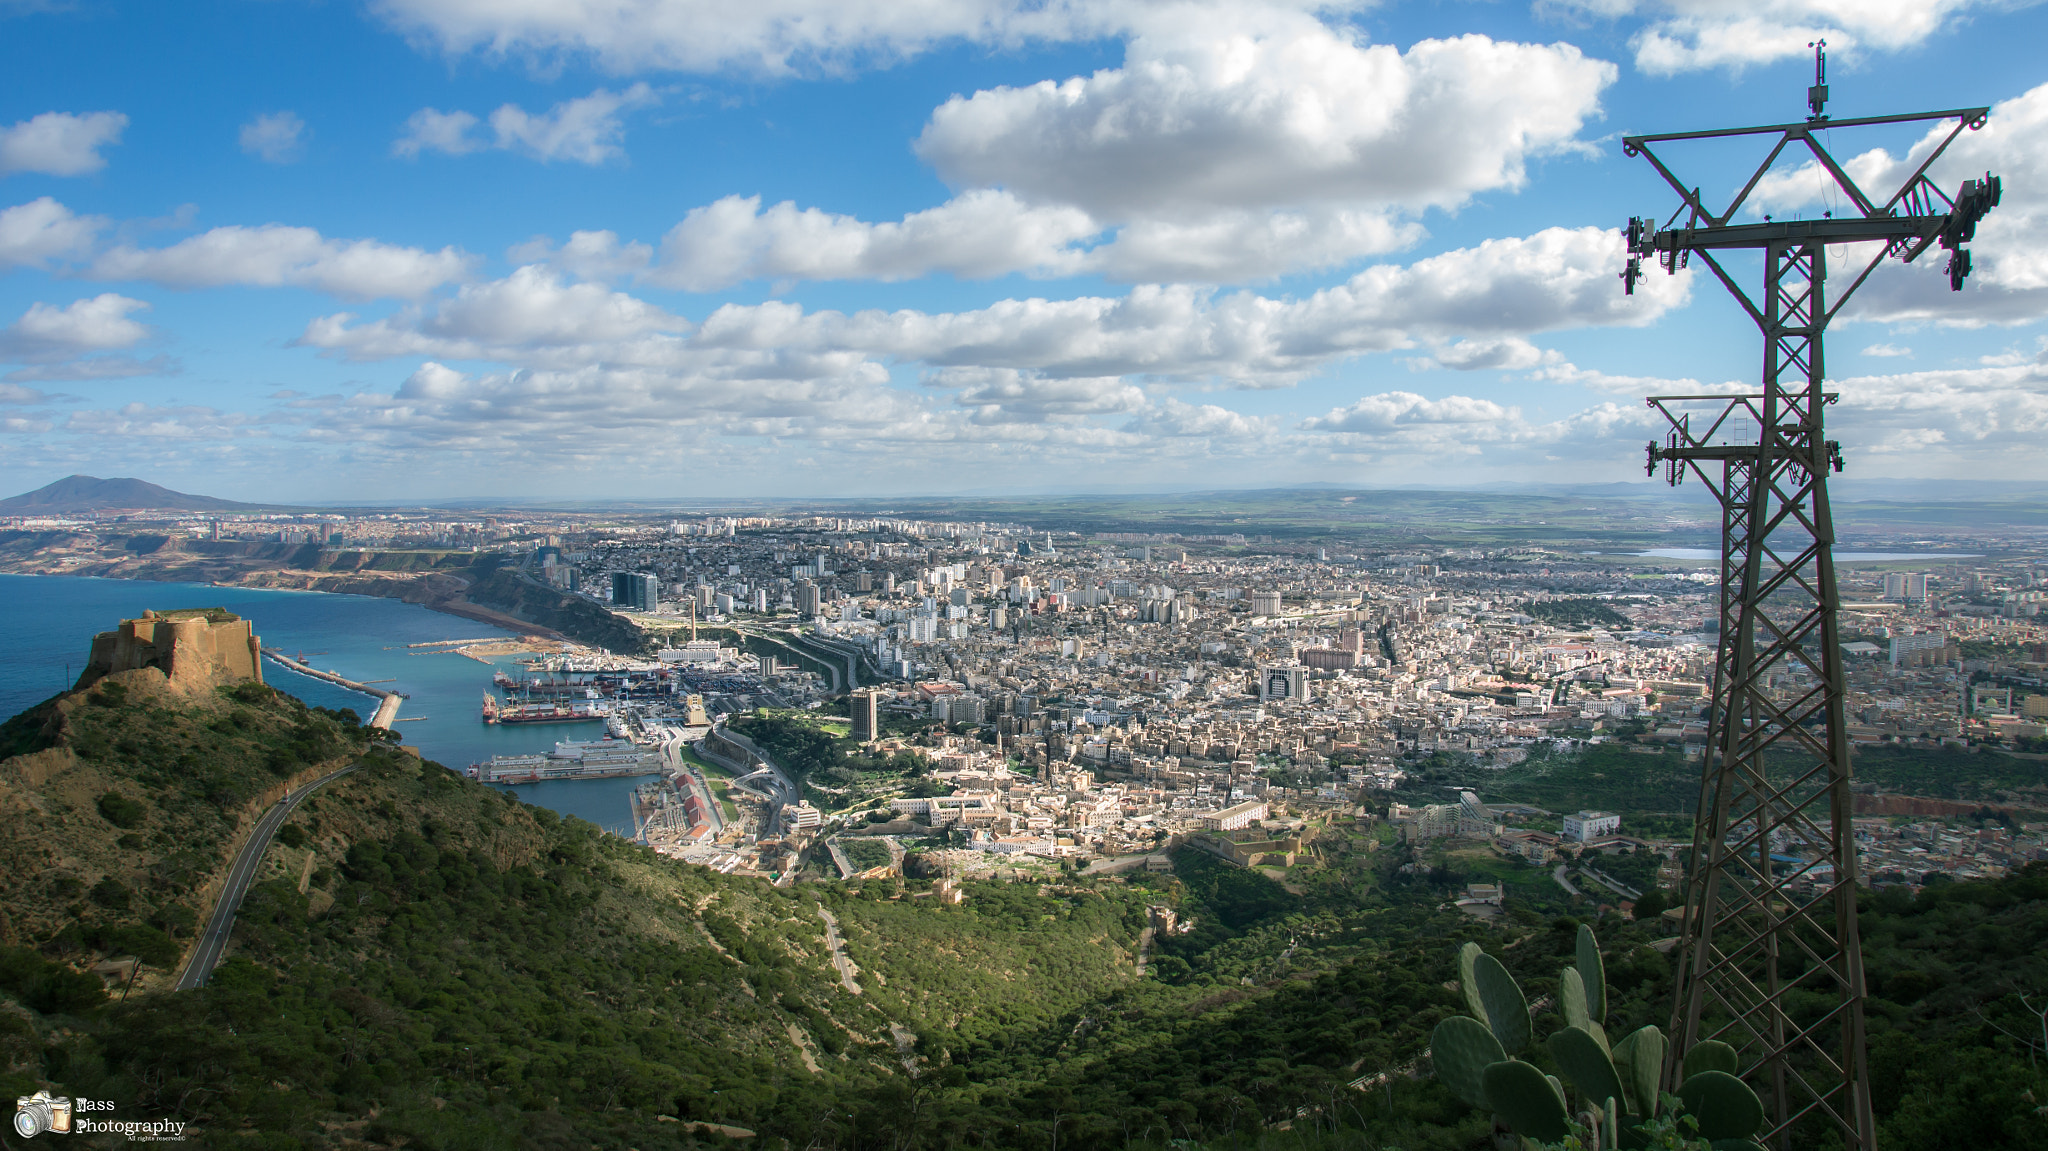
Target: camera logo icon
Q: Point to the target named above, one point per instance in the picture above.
(35, 1114)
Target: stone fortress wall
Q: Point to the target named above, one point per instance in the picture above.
(197, 649)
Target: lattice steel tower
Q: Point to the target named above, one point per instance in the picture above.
(1770, 959)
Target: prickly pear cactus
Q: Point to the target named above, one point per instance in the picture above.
(1462, 1049)
(1525, 1099)
(1593, 971)
(1507, 1010)
(1639, 1063)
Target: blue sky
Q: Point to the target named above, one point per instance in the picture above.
(286, 249)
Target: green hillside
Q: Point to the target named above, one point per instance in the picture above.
(463, 970)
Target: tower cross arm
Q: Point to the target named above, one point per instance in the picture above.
(1850, 230)
(1974, 117)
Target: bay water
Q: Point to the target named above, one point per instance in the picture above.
(47, 624)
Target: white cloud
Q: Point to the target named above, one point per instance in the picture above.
(1568, 373)
(1977, 421)
(1391, 411)
(977, 235)
(1887, 350)
(1509, 353)
(1175, 419)
(1269, 144)
(1556, 279)
(92, 325)
(772, 37)
(587, 130)
(276, 137)
(432, 130)
(278, 255)
(1686, 35)
(60, 143)
(33, 234)
(1240, 146)
(1290, 113)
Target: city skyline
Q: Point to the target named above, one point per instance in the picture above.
(411, 248)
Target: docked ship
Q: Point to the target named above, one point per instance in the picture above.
(606, 758)
(583, 712)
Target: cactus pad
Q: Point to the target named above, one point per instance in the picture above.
(1522, 1097)
(1507, 1011)
(1711, 1055)
(1724, 1105)
(1467, 984)
(1593, 970)
(1462, 1049)
(1639, 1061)
(1586, 1064)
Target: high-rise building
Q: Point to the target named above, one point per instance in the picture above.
(635, 591)
(806, 598)
(1265, 603)
(864, 581)
(760, 599)
(866, 722)
(1908, 586)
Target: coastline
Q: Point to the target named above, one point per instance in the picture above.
(442, 592)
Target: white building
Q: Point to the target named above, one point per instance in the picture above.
(1232, 818)
(1591, 825)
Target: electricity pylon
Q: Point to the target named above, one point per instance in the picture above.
(1770, 960)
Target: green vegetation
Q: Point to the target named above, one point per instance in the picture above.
(466, 971)
(1576, 613)
(817, 752)
(865, 853)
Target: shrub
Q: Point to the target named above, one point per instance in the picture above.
(121, 811)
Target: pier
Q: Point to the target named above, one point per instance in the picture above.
(388, 701)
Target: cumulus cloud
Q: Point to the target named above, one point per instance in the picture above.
(60, 143)
(981, 234)
(1509, 353)
(1177, 420)
(1991, 420)
(98, 324)
(33, 234)
(1236, 147)
(1558, 278)
(278, 255)
(586, 130)
(275, 137)
(773, 37)
(1687, 35)
(1294, 113)
(1391, 411)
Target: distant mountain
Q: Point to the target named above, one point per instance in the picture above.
(92, 494)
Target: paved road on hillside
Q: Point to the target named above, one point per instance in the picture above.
(240, 874)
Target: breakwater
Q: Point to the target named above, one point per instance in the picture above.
(387, 701)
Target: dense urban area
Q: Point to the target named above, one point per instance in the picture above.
(1023, 696)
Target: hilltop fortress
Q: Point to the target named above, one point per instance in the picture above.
(196, 649)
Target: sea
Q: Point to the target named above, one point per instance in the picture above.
(49, 623)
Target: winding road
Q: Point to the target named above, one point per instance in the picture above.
(240, 874)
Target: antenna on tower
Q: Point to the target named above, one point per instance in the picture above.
(1817, 96)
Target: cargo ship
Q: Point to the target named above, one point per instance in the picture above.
(495, 712)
